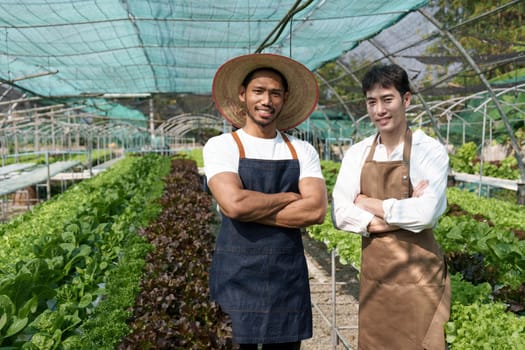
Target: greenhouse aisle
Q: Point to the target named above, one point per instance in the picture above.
(347, 293)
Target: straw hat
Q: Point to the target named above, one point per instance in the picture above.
(303, 92)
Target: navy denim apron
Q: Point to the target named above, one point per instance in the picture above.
(259, 275)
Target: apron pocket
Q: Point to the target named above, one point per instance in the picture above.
(289, 285)
(240, 281)
(394, 258)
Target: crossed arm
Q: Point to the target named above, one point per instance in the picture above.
(375, 206)
(286, 209)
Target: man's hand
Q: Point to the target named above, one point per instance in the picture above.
(378, 225)
(375, 206)
(371, 205)
(360, 198)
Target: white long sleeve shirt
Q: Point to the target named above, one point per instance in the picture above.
(428, 161)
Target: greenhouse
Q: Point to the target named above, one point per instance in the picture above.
(105, 107)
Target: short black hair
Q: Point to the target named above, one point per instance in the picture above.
(249, 76)
(386, 76)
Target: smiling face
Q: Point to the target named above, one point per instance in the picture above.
(263, 98)
(386, 108)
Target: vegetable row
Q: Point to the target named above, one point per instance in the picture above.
(62, 260)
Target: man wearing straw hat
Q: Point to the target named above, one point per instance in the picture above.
(268, 185)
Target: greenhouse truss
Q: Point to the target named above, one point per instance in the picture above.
(93, 72)
(84, 83)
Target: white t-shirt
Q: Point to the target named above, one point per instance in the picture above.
(221, 153)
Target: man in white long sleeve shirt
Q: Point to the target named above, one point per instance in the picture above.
(391, 189)
(413, 214)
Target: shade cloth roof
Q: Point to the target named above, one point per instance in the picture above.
(78, 47)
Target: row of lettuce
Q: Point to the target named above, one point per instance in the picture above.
(62, 259)
(114, 263)
(480, 238)
(71, 269)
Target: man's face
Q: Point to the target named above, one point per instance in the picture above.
(263, 98)
(386, 108)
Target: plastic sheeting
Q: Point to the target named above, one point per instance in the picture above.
(5, 171)
(154, 46)
(38, 175)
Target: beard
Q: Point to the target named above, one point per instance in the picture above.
(262, 122)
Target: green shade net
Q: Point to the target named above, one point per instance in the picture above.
(328, 125)
(155, 46)
(479, 115)
(115, 112)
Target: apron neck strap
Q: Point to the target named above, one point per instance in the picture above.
(289, 144)
(370, 156)
(406, 148)
(242, 153)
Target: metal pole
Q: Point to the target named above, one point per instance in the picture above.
(334, 321)
(481, 156)
(90, 153)
(336, 94)
(48, 182)
(15, 139)
(151, 117)
(521, 193)
(4, 215)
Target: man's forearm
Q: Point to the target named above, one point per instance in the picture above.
(375, 206)
(301, 213)
(371, 205)
(246, 205)
(256, 206)
(286, 209)
(310, 209)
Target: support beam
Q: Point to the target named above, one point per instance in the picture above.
(338, 96)
(470, 60)
(521, 193)
(151, 118)
(279, 28)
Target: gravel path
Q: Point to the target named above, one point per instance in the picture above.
(347, 294)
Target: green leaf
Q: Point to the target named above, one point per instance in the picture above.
(6, 305)
(57, 338)
(16, 326)
(42, 341)
(69, 247)
(29, 307)
(84, 250)
(455, 233)
(85, 300)
(500, 249)
(3, 321)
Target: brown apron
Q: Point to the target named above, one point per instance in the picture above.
(404, 298)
